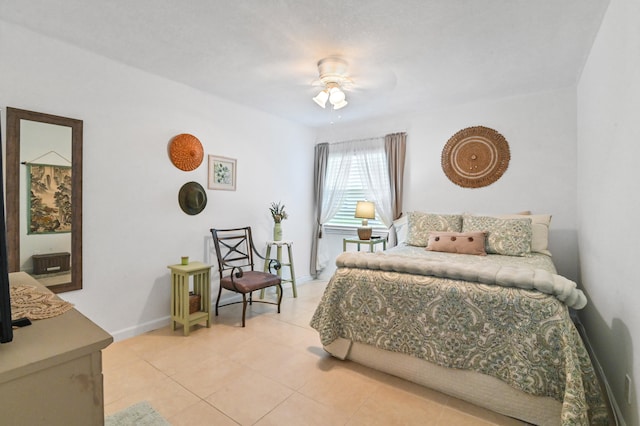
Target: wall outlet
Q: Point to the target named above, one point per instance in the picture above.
(627, 388)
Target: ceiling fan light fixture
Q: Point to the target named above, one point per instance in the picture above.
(332, 75)
(321, 98)
(339, 105)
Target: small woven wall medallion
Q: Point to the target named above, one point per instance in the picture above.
(475, 157)
(186, 152)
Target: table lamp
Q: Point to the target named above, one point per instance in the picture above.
(365, 210)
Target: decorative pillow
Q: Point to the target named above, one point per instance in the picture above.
(511, 237)
(458, 242)
(420, 224)
(539, 230)
(401, 226)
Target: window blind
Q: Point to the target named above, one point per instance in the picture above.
(356, 191)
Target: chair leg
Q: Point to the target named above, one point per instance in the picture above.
(279, 296)
(218, 299)
(244, 307)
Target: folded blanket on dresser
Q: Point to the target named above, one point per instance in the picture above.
(486, 315)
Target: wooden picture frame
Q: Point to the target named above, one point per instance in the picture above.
(222, 173)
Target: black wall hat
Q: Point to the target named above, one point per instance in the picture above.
(192, 198)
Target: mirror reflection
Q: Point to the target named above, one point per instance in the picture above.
(44, 198)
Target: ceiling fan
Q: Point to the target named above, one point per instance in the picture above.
(333, 80)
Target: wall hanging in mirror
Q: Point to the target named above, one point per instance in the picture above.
(48, 198)
(192, 198)
(475, 157)
(186, 152)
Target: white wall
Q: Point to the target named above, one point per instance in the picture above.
(133, 225)
(608, 199)
(541, 133)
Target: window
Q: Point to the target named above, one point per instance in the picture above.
(357, 189)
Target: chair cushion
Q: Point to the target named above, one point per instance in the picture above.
(250, 281)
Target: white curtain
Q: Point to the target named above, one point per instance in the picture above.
(372, 151)
(335, 187)
(371, 154)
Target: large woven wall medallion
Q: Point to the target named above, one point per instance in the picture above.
(475, 157)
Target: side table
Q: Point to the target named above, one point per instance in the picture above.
(292, 274)
(180, 277)
(371, 243)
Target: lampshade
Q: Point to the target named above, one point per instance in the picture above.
(340, 105)
(321, 98)
(365, 210)
(336, 95)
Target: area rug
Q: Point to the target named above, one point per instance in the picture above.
(140, 414)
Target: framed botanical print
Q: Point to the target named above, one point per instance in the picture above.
(222, 173)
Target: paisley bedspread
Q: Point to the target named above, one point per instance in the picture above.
(520, 336)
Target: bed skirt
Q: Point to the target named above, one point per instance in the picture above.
(477, 388)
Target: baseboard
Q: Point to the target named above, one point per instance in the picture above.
(615, 408)
(141, 328)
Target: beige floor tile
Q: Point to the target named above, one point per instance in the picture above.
(392, 406)
(117, 355)
(200, 414)
(396, 382)
(249, 397)
(123, 381)
(178, 357)
(339, 388)
(292, 369)
(451, 417)
(154, 342)
(302, 411)
(209, 375)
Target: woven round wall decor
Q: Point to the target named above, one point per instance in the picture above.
(186, 152)
(475, 157)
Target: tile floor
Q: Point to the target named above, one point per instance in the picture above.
(273, 372)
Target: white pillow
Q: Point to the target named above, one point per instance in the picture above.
(401, 226)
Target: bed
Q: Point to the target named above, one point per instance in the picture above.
(492, 327)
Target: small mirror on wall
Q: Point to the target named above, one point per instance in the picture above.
(44, 197)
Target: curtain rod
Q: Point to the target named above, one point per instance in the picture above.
(363, 139)
(358, 140)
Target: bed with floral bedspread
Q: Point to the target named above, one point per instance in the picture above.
(406, 300)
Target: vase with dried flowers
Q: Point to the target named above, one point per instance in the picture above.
(278, 214)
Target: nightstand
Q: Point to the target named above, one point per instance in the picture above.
(292, 275)
(180, 277)
(371, 243)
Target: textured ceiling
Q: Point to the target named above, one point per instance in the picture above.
(404, 55)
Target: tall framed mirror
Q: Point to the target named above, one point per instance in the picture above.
(44, 198)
